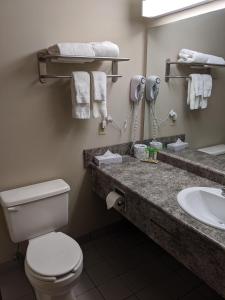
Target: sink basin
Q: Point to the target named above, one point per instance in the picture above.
(204, 204)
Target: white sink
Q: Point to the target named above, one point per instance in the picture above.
(204, 204)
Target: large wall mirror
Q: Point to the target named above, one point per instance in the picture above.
(203, 33)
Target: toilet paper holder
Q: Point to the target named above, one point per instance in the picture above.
(121, 203)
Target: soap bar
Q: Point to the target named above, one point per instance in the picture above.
(178, 146)
(107, 158)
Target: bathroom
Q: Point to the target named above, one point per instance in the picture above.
(40, 141)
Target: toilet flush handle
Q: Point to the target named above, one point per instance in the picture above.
(13, 209)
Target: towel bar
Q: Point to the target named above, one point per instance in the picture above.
(44, 58)
(180, 76)
(191, 65)
(49, 76)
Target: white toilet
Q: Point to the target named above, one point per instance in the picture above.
(54, 261)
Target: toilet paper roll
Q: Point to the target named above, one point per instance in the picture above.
(140, 151)
(112, 199)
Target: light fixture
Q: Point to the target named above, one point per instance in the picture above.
(157, 8)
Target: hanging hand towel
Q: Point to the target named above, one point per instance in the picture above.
(105, 49)
(80, 92)
(207, 90)
(195, 91)
(99, 92)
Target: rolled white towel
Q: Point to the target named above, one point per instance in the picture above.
(105, 49)
(190, 56)
(73, 49)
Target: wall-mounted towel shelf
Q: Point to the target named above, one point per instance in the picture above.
(190, 65)
(44, 58)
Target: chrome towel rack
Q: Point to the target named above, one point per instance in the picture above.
(44, 58)
(207, 67)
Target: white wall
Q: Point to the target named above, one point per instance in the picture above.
(39, 139)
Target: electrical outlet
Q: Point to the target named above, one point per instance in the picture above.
(102, 128)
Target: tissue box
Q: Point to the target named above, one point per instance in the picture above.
(107, 158)
(178, 146)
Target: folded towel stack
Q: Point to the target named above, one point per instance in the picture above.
(199, 90)
(190, 56)
(98, 49)
(85, 87)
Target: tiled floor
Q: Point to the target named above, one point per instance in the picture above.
(123, 265)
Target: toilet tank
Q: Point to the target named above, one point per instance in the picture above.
(36, 209)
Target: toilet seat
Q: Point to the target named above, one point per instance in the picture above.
(54, 254)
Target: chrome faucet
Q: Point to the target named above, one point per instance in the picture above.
(223, 191)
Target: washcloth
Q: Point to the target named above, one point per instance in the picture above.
(152, 88)
(73, 49)
(190, 56)
(80, 92)
(99, 92)
(105, 49)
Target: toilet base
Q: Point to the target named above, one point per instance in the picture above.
(68, 296)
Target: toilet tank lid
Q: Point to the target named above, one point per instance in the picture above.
(33, 192)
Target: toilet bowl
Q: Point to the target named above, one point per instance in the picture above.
(54, 261)
(53, 264)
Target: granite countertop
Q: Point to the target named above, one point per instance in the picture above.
(198, 157)
(159, 184)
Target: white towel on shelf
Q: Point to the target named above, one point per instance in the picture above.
(99, 94)
(80, 92)
(73, 49)
(105, 49)
(190, 56)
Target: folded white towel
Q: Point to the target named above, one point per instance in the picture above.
(80, 92)
(190, 56)
(73, 49)
(99, 91)
(105, 49)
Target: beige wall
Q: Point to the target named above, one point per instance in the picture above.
(39, 139)
(203, 33)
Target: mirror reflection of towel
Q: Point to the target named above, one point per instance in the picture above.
(199, 90)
